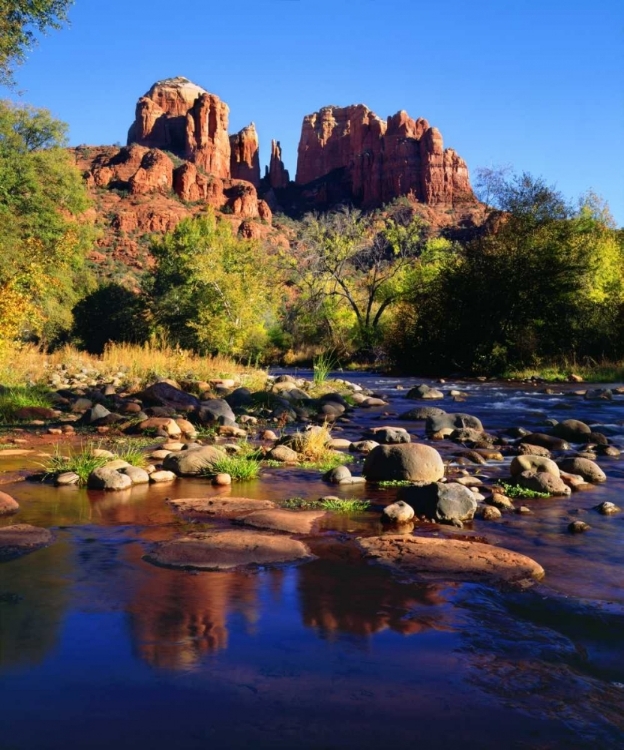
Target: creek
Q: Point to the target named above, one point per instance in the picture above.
(100, 649)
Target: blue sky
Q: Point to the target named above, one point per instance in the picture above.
(536, 84)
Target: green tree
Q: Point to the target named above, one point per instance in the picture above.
(20, 20)
(44, 234)
(212, 291)
(350, 268)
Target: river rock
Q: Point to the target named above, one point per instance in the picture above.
(283, 454)
(291, 521)
(399, 512)
(21, 539)
(162, 477)
(550, 442)
(526, 449)
(585, 468)
(532, 463)
(193, 462)
(8, 505)
(500, 501)
(240, 398)
(608, 509)
(108, 479)
(66, 479)
(572, 430)
(424, 391)
(161, 425)
(443, 425)
(224, 550)
(339, 444)
(578, 527)
(543, 481)
(222, 480)
(216, 410)
(489, 512)
(421, 413)
(388, 435)
(371, 402)
(363, 446)
(414, 462)
(432, 559)
(137, 474)
(201, 507)
(442, 502)
(164, 393)
(338, 475)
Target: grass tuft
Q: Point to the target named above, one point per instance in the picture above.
(345, 506)
(322, 366)
(394, 483)
(240, 468)
(300, 503)
(82, 462)
(14, 399)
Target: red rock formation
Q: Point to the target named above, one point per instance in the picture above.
(154, 175)
(207, 141)
(382, 160)
(245, 159)
(278, 174)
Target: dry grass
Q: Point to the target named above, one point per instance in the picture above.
(138, 365)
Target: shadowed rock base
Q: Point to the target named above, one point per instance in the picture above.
(21, 539)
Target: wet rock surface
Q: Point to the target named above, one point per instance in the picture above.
(225, 550)
(21, 539)
(218, 506)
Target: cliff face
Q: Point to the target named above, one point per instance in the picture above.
(245, 159)
(381, 160)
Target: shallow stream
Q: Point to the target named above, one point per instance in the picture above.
(100, 649)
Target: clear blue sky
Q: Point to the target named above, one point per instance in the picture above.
(537, 84)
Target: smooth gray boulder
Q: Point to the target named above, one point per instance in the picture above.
(447, 423)
(584, 467)
(216, 410)
(399, 512)
(193, 462)
(442, 502)
(413, 462)
(108, 479)
(572, 430)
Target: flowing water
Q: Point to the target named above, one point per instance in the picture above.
(100, 649)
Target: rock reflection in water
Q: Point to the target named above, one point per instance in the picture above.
(337, 598)
(35, 597)
(177, 618)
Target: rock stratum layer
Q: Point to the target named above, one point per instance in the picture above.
(381, 160)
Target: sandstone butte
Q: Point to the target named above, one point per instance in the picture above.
(180, 158)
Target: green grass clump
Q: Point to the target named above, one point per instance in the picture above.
(394, 483)
(14, 399)
(345, 506)
(300, 503)
(515, 491)
(271, 463)
(132, 455)
(82, 463)
(322, 366)
(241, 469)
(328, 462)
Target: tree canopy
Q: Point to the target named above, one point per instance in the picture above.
(20, 20)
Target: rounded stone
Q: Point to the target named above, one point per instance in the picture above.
(283, 454)
(222, 480)
(337, 475)
(192, 462)
(413, 462)
(162, 477)
(572, 430)
(108, 479)
(543, 481)
(67, 478)
(137, 474)
(608, 509)
(585, 468)
(534, 464)
(399, 512)
(8, 505)
(578, 527)
(489, 513)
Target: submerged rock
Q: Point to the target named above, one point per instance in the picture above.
(224, 550)
(8, 505)
(21, 539)
(433, 559)
(291, 521)
(198, 507)
(399, 512)
(585, 468)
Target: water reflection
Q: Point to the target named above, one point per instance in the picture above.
(35, 598)
(177, 618)
(340, 598)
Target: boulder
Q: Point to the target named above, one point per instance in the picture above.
(572, 430)
(284, 454)
(363, 446)
(414, 462)
(421, 413)
(532, 463)
(550, 442)
(162, 477)
(338, 475)
(585, 468)
(108, 479)
(225, 550)
(445, 424)
(8, 505)
(424, 391)
(193, 462)
(441, 502)
(543, 481)
(397, 513)
(290, 521)
(136, 474)
(388, 435)
(240, 398)
(160, 425)
(216, 410)
(165, 394)
(432, 559)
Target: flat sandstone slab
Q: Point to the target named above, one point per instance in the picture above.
(21, 539)
(451, 559)
(224, 550)
(291, 521)
(197, 507)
